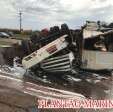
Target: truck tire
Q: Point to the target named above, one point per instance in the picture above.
(64, 29)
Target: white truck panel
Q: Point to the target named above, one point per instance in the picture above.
(44, 52)
(90, 33)
(97, 60)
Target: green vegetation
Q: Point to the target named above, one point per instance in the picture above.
(21, 36)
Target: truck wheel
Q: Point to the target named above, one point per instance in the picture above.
(65, 29)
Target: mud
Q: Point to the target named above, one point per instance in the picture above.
(21, 93)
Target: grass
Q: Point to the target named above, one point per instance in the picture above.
(21, 36)
(5, 42)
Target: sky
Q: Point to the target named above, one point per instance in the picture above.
(39, 14)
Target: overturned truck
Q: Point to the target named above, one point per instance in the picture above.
(56, 52)
(63, 50)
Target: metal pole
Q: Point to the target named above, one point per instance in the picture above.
(20, 20)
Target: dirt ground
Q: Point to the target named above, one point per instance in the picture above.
(20, 95)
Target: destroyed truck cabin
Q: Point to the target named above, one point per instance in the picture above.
(53, 53)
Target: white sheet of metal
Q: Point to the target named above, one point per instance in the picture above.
(59, 63)
(44, 52)
(90, 33)
(97, 60)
